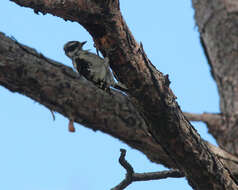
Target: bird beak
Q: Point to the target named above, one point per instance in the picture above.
(83, 43)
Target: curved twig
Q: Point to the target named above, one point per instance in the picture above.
(132, 177)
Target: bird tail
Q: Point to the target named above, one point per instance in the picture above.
(120, 86)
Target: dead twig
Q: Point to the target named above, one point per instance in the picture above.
(131, 176)
(53, 114)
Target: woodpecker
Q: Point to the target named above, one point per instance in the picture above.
(91, 66)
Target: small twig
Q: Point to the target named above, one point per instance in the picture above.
(213, 121)
(131, 176)
(205, 117)
(157, 175)
(53, 115)
(128, 180)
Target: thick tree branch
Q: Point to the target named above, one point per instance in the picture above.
(57, 87)
(20, 65)
(148, 88)
(131, 176)
(30, 60)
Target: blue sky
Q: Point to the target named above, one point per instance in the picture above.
(39, 153)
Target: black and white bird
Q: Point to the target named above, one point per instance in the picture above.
(91, 66)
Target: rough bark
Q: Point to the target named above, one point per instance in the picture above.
(149, 89)
(60, 89)
(218, 26)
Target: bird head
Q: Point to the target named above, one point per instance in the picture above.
(72, 47)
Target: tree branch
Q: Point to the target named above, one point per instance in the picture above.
(60, 89)
(148, 88)
(217, 24)
(131, 176)
(214, 121)
(205, 117)
(16, 58)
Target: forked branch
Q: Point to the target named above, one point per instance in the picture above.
(131, 176)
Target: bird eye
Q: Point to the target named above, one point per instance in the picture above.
(71, 47)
